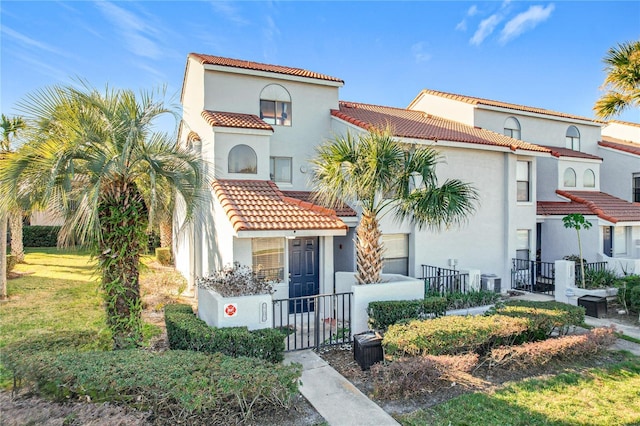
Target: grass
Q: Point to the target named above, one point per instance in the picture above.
(596, 396)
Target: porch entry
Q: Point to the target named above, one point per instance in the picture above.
(304, 274)
(607, 246)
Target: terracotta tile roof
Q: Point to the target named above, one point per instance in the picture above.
(235, 119)
(418, 125)
(620, 145)
(193, 137)
(342, 210)
(603, 205)
(258, 205)
(480, 101)
(566, 152)
(626, 123)
(256, 66)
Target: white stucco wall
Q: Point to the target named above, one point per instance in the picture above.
(558, 241)
(617, 171)
(621, 130)
(579, 166)
(446, 108)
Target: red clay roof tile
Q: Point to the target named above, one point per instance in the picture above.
(254, 205)
(620, 145)
(342, 210)
(566, 152)
(234, 119)
(418, 125)
(480, 101)
(603, 205)
(257, 66)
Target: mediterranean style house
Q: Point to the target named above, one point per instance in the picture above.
(257, 127)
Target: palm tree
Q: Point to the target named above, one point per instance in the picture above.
(10, 128)
(622, 83)
(382, 175)
(92, 156)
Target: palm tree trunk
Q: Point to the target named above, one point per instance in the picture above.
(15, 223)
(3, 255)
(123, 222)
(368, 250)
(166, 230)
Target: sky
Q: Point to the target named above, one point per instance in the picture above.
(545, 54)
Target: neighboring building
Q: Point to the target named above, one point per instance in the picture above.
(257, 127)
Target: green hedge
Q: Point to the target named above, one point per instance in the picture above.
(187, 332)
(629, 289)
(571, 315)
(452, 335)
(179, 387)
(40, 236)
(384, 314)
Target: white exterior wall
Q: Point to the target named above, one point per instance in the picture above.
(617, 171)
(547, 179)
(558, 241)
(225, 141)
(461, 112)
(579, 166)
(618, 130)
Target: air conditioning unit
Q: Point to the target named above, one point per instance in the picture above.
(491, 282)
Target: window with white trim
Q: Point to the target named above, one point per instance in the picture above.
(572, 138)
(280, 169)
(620, 238)
(268, 258)
(512, 127)
(522, 244)
(569, 180)
(275, 105)
(523, 177)
(243, 159)
(396, 254)
(589, 179)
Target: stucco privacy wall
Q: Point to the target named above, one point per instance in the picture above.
(616, 179)
(311, 103)
(541, 130)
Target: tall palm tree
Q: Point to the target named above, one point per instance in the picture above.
(382, 175)
(622, 83)
(92, 156)
(11, 127)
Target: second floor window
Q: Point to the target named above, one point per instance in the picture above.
(280, 169)
(243, 159)
(636, 188)
(275, 105)
(512, 128)
(589, 179)
(569, 178)
(523, 177)
(573, 138)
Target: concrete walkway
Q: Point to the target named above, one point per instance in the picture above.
(333, 396)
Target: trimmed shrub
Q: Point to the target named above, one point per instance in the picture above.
(575, 314)
(163, 255)
(40, 236)
(10, 262)
(471, 299)
(543, 322)
(453, 335)
(407, 377)
(626, 286)
(178, 386)
(541, 353)
(634, 298)
(383, 314)
(187, 332)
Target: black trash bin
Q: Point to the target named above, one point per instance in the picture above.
(367, 349)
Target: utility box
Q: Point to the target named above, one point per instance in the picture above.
(367, 349)
(595, 306)
(491, 282)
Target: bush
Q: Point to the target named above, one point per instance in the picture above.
(453, 335)
(407, 377)
(11, 262)
(163, 255)
(187, 332)
(601, 278)
(471, 299)
(634, 299)
(543, 321)
(383, 314)
(235, 280)
(40, 236)
(626, 286)
(541, 353)
(574, 314)
(178, 386)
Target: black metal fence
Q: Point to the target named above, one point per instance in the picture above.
(443, 280)
(314, 321)
(533, 276)
(588, 268)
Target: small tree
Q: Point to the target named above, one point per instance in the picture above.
(577, 222)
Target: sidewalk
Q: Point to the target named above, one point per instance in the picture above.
(333, 396)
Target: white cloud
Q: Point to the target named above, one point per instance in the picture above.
(229, 11)
(462, 25)
(525, 21)
(28, 41)
(138, 34)
(419, 55)
(485, 29)
(472, 10)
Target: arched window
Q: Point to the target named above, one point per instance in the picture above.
(512, 128)
(589, 179)
(573, 138)
(275, 105)
(569, 178)
(243, 159)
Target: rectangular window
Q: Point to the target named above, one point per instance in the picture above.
(268, 258)
(522, 244)
(396, 254)
(636, 188)
(276, 112)
(523, 177)
(280, 169)
(619, 241)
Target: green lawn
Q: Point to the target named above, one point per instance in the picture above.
(597, 396)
